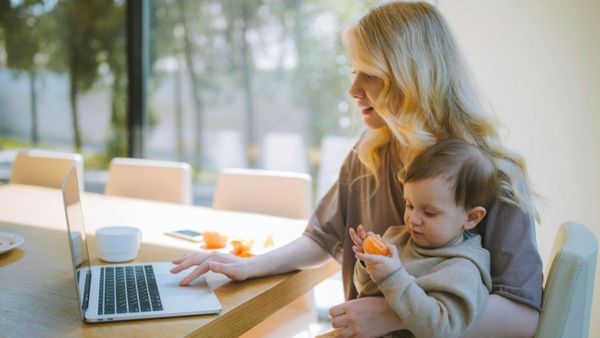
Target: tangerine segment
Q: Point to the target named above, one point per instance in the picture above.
(269, 241)
(242, 248)
(374, 245)
(214, 240)
(245, 254)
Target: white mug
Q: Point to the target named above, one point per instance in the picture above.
(118, 243)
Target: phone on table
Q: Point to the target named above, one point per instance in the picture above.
(187, 234)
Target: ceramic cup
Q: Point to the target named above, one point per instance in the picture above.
(118, 243)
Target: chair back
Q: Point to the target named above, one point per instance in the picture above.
(276, 193)
(45, 168)
(164, 181)
(567, 298)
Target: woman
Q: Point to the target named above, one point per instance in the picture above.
(413, 90)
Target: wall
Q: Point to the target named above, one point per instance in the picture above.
(537, 63)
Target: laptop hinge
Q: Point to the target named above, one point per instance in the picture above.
(86, 291)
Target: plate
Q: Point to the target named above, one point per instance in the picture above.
(9, 241)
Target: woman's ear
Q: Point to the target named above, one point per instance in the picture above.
(474, 216)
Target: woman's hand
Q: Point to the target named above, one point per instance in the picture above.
(358, 237)
(364, 317)
(379, 266)
(234, 267)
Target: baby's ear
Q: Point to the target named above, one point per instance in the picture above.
(474, 216)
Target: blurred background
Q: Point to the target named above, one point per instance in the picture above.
(262, 84)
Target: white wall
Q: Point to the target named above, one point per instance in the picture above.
(538, 63)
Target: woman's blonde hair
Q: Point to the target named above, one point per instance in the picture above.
(428, 94)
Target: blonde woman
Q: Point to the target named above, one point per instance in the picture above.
(413, 91)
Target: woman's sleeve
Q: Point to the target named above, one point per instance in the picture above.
(516, 266)
(327, 226)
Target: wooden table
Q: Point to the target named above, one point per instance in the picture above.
(37, 293)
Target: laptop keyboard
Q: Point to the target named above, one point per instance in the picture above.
(128, 289)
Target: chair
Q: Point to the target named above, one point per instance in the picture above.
(567, 298)
(164, 181)
(44, 168)
(277, 193)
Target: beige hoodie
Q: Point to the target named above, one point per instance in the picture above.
(437, 292)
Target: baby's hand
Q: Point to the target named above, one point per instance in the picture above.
(358, 237)
(379, 266)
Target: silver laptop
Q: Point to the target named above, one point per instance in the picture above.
(127, 291)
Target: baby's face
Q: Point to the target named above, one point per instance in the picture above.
(431, 214)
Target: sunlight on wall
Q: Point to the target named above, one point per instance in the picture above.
(536, 62)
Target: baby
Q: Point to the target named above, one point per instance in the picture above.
(437, 275)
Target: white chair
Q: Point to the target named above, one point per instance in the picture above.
(567, 299)
(334, 150)
(285, 152)
(164, 181)
(45, 168)
(277, 193)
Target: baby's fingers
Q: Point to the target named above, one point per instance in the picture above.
(355, 238)
(361, 232)
(368, 258)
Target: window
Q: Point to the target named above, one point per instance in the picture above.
(232, 83)
(63, 79)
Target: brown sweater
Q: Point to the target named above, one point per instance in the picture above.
(437, 292)
(506, 232)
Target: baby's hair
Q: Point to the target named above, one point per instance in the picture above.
(470, 171)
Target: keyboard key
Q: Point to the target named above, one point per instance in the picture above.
(140, 279)
(153, 289)
(128, 289)
(132, 299)
(101, 293)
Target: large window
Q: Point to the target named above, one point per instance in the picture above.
(232, 83)
(63, 78)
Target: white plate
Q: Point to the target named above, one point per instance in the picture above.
(9, 241)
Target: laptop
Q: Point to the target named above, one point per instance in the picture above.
(127, 291)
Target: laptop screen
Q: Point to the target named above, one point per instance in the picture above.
(76, 233)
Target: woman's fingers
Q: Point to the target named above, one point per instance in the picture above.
(200, 270)
(182, 258)
(337, 310)
(187, 261)
(339, 321)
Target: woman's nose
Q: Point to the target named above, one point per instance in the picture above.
(356, 90)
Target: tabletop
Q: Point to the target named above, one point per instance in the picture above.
(37, 293)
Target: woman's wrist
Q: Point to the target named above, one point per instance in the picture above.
(301, 253)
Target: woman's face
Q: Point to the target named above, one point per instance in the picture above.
(365, 89)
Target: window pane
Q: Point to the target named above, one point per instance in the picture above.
(63, 79)
(248, 83)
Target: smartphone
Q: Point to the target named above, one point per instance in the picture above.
(186, 234)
